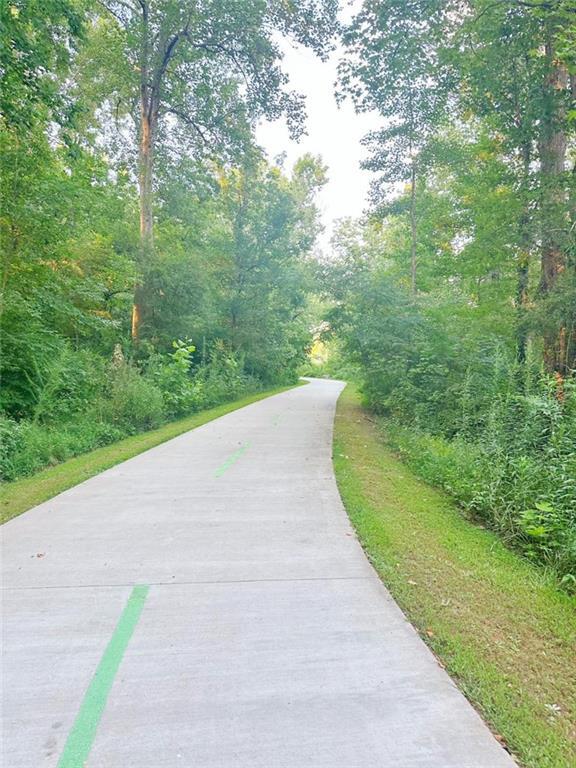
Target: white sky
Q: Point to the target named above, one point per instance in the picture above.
(333, 131)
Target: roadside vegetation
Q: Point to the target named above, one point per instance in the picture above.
(153, 260)
(87, 403)
(157, 270)
(498, 623)
(455, 297)
(18, 496)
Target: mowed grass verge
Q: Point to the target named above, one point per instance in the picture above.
(20, 495)
(499, 625)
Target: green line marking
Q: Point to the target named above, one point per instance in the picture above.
(231, 460)
(81, 737)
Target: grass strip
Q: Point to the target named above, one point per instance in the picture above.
(499, 625)
(18, 496)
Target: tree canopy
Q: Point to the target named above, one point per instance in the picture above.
(155, 261)
(455, 297)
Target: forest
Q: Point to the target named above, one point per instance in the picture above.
(156, 262)
(456, 297)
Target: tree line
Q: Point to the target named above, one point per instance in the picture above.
(154, 261)
(455, 297)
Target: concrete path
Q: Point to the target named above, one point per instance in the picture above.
(259, 637)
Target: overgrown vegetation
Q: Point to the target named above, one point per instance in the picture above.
(87, 403)
(138, 210)
(498, 623)
(21, 495)
(456, 296)
(155, 263)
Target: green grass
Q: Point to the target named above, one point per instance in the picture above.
(20, 495)
(499, 625)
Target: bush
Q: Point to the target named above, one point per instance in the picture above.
(87, 402)
(223, 377)
(133, 402)
(11, 442)
(27, 447)
(186, 389)
(73, 382)
(518, 474)
(130, 404)
(172, 375)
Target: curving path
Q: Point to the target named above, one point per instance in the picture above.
(207, 605)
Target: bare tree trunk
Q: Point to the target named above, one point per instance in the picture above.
(151, 80)
(553, 164)
(146, 163)
(571, 336)
(413, 232)
(148, 118)
(523, 266)
(239, 254)
(146, 177)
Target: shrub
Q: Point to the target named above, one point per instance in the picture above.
(28, 447)
(518, 474)
(133, 402)
(223, 377)
(87, 402)
(172, 374)
(186, 389)
(11, 441)
(75, 379)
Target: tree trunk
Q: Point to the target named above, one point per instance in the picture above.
(239, 254)
(148, 120)
(553, 201)
(523, 264)
(571, 263)
(413, 233)
(522, 274)
(146, 175)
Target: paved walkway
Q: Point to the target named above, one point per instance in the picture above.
(207, 605)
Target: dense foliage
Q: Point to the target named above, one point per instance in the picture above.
(456, 298)
(154, 262)
(192, 233)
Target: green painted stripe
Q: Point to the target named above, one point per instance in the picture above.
(231, 460)
(81, 737)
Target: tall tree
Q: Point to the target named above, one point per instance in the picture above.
(514, 77)
(502, 86)
(209, 69)
(274, 222)
(394, 65)
(553, 142)
(507, 64)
